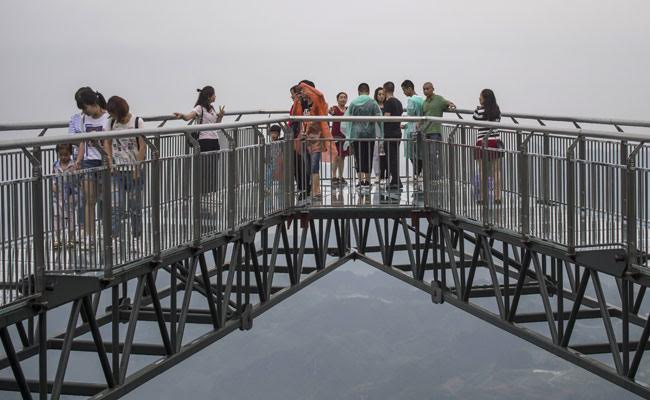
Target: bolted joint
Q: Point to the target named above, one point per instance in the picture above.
(437, 296)
(246, 318)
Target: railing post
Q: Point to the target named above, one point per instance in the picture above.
(427, 165)
(623, 180)
(546, 184)
(261, 162)
(582, 155)
(452, 172)
(154, 146)
(289, 161)
(196, 189)
(35, 158)
(630, 199)
(107, 211)
(232, 175)
(571, 197)
(485, 186)
(524, 185)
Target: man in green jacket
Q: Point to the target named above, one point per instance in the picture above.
(363, 106)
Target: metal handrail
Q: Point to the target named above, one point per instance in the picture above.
(571, 132)
(22, 126)
(615, 122)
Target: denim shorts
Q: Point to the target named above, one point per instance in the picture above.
(85, 164)
(315, 162)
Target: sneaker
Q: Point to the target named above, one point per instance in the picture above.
(56, 245)
(342, 181)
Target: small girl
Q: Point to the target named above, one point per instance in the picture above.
(64, 196)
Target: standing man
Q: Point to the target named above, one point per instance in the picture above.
(413, 109)
(434, 106)
(392, 132)
(363, 106)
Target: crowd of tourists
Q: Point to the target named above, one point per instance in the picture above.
(373, 145)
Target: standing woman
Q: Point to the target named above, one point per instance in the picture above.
(204, 113)
(489, 111)
(379, 164)
(92, 119)
(124, 157)
(339, 162)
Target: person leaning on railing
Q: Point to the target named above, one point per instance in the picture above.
(489, 111)
(124, 157)
(434, 105)
(205, 113)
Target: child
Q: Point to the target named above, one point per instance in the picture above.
(64, 196)
(274, 157)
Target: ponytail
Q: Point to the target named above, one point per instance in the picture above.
(204, 97)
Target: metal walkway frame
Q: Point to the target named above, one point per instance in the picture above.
(243, 272)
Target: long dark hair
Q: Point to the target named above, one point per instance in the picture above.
(377, 93)
(85, 96)
(204, 97)
(492, 111)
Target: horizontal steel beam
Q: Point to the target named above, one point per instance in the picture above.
(68, 388)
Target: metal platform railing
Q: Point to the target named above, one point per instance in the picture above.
(570, 187)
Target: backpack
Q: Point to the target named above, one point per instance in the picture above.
(137, 120)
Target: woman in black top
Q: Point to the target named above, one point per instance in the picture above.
(379, 163)
(489, 111)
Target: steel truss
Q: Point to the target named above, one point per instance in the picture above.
(244, 274)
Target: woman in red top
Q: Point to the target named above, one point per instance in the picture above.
(338, 163)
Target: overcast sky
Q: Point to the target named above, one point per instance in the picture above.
(554, 56)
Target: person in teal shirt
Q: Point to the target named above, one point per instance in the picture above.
(413, 109)
(363, 106)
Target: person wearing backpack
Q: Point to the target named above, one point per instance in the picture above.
(124, 158)
(204, 113)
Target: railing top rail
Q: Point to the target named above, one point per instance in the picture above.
(565, 118)
(23, 126)
(574, 132)
(66, 138)
(543, 117)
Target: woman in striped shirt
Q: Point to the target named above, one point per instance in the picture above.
(489, 111)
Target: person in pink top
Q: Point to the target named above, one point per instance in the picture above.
(338, 163)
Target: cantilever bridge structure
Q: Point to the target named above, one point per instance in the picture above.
(554, 232)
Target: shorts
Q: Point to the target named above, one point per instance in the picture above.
(315, 162)
(85, 164)
(492, 153)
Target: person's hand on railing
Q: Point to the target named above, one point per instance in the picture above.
(451, 106)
